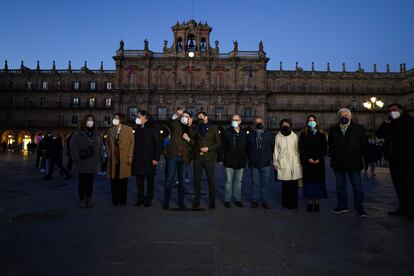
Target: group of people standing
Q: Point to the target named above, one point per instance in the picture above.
(200, 143)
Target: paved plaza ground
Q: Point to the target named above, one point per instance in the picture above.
(44, 232)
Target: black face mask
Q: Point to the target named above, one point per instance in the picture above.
(344, 120)
(285, 130)
(201, 121)
(259, 126)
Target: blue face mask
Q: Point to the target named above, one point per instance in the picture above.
(344, 120)
(234, 124)
(312, 124)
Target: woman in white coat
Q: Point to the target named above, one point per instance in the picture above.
(286, 160)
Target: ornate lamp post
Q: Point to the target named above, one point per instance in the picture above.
(373, 104)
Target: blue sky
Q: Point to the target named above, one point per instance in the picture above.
(369, 31)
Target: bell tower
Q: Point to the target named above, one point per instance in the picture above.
(191, 37)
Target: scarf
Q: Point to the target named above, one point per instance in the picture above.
(259, 133)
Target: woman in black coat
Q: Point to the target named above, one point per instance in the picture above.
(313, 147)
(147, 153)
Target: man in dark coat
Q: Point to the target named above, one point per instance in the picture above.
(147, 151)
(347, 143)
(233, 157)
(398, 132)
(207, 143)
(178, 155)
(260, 145)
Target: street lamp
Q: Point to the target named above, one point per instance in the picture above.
(191, 54)
(373, 104)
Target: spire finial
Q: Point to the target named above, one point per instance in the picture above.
(101, 66)
(404, 67)
(388, 68)
(6, 67)
(85, 65)
(328, 67)
(21, 64)
(359, 66)
(296, 65)
(38, 65)
(54, 66)
(401, 68)
(313, 66)
(70, 66)
(343, 67)
(280, 66)
(375, 68)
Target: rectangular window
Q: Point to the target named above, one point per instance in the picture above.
(42, 101)
(109, 86)
(133, 81)
(247, 112)
(93, 86)
(75, 102)
(354, 104)
(219, 112)
(44, 85)
(92, 102)
(162, 112)
(74, 119)
(29, 85)
(132, 112)
(76, 85)
(107, 120)
(108, 102)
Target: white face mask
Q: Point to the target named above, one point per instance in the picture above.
(395, 114)
(115, 122)
(184, 120)
(138, 121)
(175, 116)
(89, 124)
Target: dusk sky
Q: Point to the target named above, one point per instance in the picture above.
(369, 31)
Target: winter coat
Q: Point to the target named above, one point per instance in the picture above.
(260, 157)
(313, 146)
(80, 142)
(126, 151)
(147, 148)
(347, 151)
(286, 157)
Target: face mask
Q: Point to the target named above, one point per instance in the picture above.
(344, 120)
(200, 121)
(138, 121)
(312, 124)
(235, 124)
(89, 124)
(175, 116)
(259, 126)
(184, 120)
(115, 122)
(285, 130)
(395, 114)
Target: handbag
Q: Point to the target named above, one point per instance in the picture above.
(86, 153)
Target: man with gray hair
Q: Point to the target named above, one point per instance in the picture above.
(347, 143)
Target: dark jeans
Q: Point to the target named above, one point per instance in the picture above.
(290, 194)
(141, 188)
(62, 170)
(119, 188)
(341, 191)
(401, 175)
(209, 167)
(86, 185)
(175, 166)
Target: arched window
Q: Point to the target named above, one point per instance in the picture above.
(203, 45)
(180, 44)
(191, 43)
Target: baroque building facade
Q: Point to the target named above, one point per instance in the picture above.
(194, 74)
